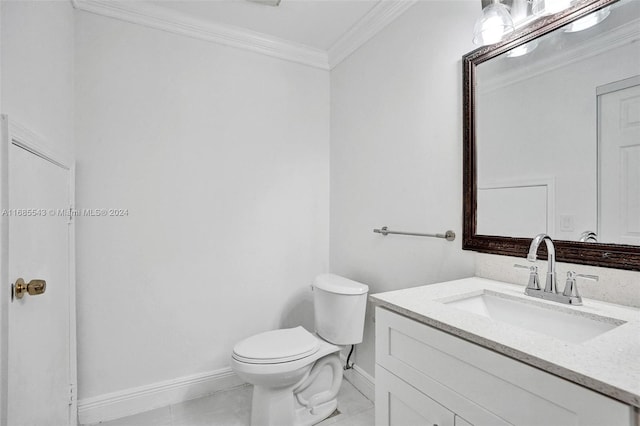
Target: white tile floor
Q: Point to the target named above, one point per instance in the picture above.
(232, 408)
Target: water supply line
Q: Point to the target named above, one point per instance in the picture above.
(346, 365)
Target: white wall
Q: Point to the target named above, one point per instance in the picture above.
(37, 69)
(221, 158)
(396, 154)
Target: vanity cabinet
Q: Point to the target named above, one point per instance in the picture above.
(428, 377)
(404, 405)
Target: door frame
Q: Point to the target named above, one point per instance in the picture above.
(14, 133)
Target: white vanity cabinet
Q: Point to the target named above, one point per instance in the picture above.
(425, 376)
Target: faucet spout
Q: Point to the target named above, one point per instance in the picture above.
(570, 294)
(551, 284)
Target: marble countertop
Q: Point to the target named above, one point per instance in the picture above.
(608, 363)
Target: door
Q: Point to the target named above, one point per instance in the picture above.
(619, 171)
(41, 324)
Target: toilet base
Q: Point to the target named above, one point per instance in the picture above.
(307, 417)
(273, 408)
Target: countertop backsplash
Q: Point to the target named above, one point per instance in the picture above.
(615, 285)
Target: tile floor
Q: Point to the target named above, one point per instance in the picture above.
(232, 408)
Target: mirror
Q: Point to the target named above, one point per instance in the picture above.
(552, 137)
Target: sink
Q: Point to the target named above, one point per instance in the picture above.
(559, 322)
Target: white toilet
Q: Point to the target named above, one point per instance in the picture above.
(296, 374)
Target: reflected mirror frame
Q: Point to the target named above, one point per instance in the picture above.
(596, 254)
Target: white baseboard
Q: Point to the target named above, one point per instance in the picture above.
(361, 380)
(144, 398)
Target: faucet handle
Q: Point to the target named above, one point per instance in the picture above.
(532, 268)
(585, 276)
(571, 287)
(534, 280)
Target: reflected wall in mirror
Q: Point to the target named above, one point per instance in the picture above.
(552, 136)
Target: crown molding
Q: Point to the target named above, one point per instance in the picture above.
(373, 22)
(161, 18)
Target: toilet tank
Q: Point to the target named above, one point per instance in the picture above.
(339, 304)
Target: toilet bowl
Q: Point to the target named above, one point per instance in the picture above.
(296, 374)
(284, 367)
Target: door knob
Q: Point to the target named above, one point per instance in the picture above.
(34, 287)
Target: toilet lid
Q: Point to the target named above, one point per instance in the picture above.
(277, 346)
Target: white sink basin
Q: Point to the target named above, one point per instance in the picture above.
(559, 322)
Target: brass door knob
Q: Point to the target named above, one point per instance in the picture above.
(34, 287)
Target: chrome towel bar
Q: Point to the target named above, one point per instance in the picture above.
(449, 235)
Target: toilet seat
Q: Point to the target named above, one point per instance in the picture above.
(277, 346)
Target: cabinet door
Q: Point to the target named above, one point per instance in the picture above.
(400, 404)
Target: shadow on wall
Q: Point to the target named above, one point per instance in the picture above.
(299, 311)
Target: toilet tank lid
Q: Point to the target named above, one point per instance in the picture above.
(336, 284)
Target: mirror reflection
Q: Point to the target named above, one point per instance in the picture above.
(558, 133)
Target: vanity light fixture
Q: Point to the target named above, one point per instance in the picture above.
(500, 17)
(494, 23)
(588, 21)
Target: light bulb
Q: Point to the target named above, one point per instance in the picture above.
(493, 30)
(494, 23)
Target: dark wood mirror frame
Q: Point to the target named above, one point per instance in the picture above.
(606, 255)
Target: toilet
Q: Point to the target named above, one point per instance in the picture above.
(296, 375)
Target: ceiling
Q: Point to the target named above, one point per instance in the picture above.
(317, 33)
(314, 23)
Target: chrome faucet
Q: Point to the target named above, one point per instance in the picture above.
(570, 294)
(551, 285)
